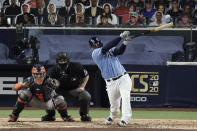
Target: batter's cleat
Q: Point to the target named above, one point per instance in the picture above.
(48, 118)
(69, 119)
(108, 121)
(86, 118)
(12, 118)
(122, 123)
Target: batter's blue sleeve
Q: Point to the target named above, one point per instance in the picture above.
(111, 44)
(120, 50)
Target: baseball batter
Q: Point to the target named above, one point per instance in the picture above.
(118, 82)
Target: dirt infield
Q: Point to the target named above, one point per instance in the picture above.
(30, 124)
(27, 124)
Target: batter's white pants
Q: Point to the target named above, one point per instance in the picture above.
(117, 90)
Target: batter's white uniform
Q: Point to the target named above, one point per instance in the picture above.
(118, 82)
(116, 90)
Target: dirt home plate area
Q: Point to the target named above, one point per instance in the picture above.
(28, 124)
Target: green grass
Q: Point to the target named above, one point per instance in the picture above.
(181, 115)
(104, 113)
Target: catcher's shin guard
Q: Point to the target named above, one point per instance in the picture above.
(68, 118)
(50, 116)
(20, 105)
(12, 118)
(64, 114)
(16, 111)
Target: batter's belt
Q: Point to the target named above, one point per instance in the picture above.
(116, 78)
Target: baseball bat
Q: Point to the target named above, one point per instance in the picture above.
(154, 29)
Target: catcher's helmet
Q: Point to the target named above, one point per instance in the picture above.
(62, 60)
(38, 73)
(94, 41)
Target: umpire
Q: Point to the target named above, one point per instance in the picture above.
(73, 79)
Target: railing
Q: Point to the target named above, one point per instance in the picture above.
(188, 33)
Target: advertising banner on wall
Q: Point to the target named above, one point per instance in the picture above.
(9, 76)
(7, 83)
(152, 86)
(148, 87)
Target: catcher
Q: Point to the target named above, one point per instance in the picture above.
(38, 90)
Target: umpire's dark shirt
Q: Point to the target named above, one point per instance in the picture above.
(72, 78)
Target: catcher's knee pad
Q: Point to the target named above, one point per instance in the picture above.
(84, 96)
(59, 101)
(25, 96)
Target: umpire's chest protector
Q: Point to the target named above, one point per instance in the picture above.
(72, 79)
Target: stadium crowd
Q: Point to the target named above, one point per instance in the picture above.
(101, 13)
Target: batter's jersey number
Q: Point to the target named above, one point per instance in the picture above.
(145, 83)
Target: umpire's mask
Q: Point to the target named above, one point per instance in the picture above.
(62, 60)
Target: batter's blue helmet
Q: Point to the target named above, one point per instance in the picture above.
(94, 41)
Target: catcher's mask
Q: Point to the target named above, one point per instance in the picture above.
(38, 73)
(95, 42)
(62, 60)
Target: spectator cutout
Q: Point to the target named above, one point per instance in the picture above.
(158, 19)
(107, 11)
(52, 17)
(78, 17)
(25, 18)
(92, 12)
(66, 12)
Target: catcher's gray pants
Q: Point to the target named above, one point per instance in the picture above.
(35, 102)
(49, 105)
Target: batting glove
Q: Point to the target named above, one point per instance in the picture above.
(127, 40)
(124, 34)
